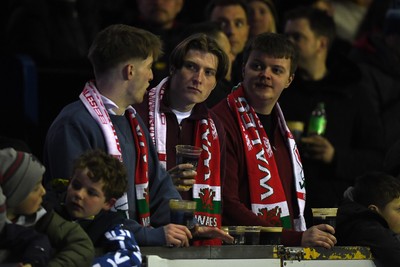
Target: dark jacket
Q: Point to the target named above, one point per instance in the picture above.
(24, 244)
(353, 128)
(373, 50)
(358, 226)
(71, 244)
(110, 237)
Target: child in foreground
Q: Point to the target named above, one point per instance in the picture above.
(370, 216)
(21, 182)
(98, 181)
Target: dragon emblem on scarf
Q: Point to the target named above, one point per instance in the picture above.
(272, 215)
(207, 196)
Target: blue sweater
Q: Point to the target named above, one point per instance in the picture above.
(74, 131)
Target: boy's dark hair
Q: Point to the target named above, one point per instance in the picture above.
(119, 43)
(376, 188)
(320, 22)
(214, 3)
(106, 168)
(275, 45)
(200, 42)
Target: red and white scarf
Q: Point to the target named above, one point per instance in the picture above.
(267, 197)
(91, 98)
(207, 187)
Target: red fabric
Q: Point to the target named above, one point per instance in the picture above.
(142, 167)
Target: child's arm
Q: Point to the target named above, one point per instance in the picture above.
(73, 246)
(122, 249)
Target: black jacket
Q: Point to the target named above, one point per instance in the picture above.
(358, 226)
(353, 128)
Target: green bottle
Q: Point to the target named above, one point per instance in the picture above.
(317, 124)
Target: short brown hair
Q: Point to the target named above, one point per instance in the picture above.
(106, 168)
(201, 42)
(119, 43)
(275, 45)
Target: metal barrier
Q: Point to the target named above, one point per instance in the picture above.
(257, 255)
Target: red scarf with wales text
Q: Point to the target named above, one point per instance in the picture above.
(267, 197)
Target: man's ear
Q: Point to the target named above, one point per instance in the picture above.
(324, 42)
(172, 70)
(289, 81)
(129, 71)
(109, 204)
(373, 208)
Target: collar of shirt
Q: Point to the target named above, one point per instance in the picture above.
(110, 106)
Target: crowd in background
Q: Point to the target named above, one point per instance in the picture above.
(56, 35)
(348, 58)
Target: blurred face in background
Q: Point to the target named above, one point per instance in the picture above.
(161, 13)
(325, 6)
(233, 21)
(223, 41)
(307, 43)
(261, 18)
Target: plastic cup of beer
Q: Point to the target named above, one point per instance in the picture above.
(252, 235)
(187, 154)
(237, 232)
(271, 235)
(324, 216)
(182, 212)
(297, 129)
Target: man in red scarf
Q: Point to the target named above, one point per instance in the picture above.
(265, 174)
(175, 113)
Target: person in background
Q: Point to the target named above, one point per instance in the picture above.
(263, 17)
(103, 118)
(175, 113)
(233, 18)
(71, 245)
(334, 158)
(161, 18)
(266, 178)
(98, 180)
(370, 217)
(348, 16)
(380, 51)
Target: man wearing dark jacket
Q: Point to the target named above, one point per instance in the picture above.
(352, 142)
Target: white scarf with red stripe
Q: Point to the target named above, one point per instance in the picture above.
(207, 187)
(91, 98)
(267, 197)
